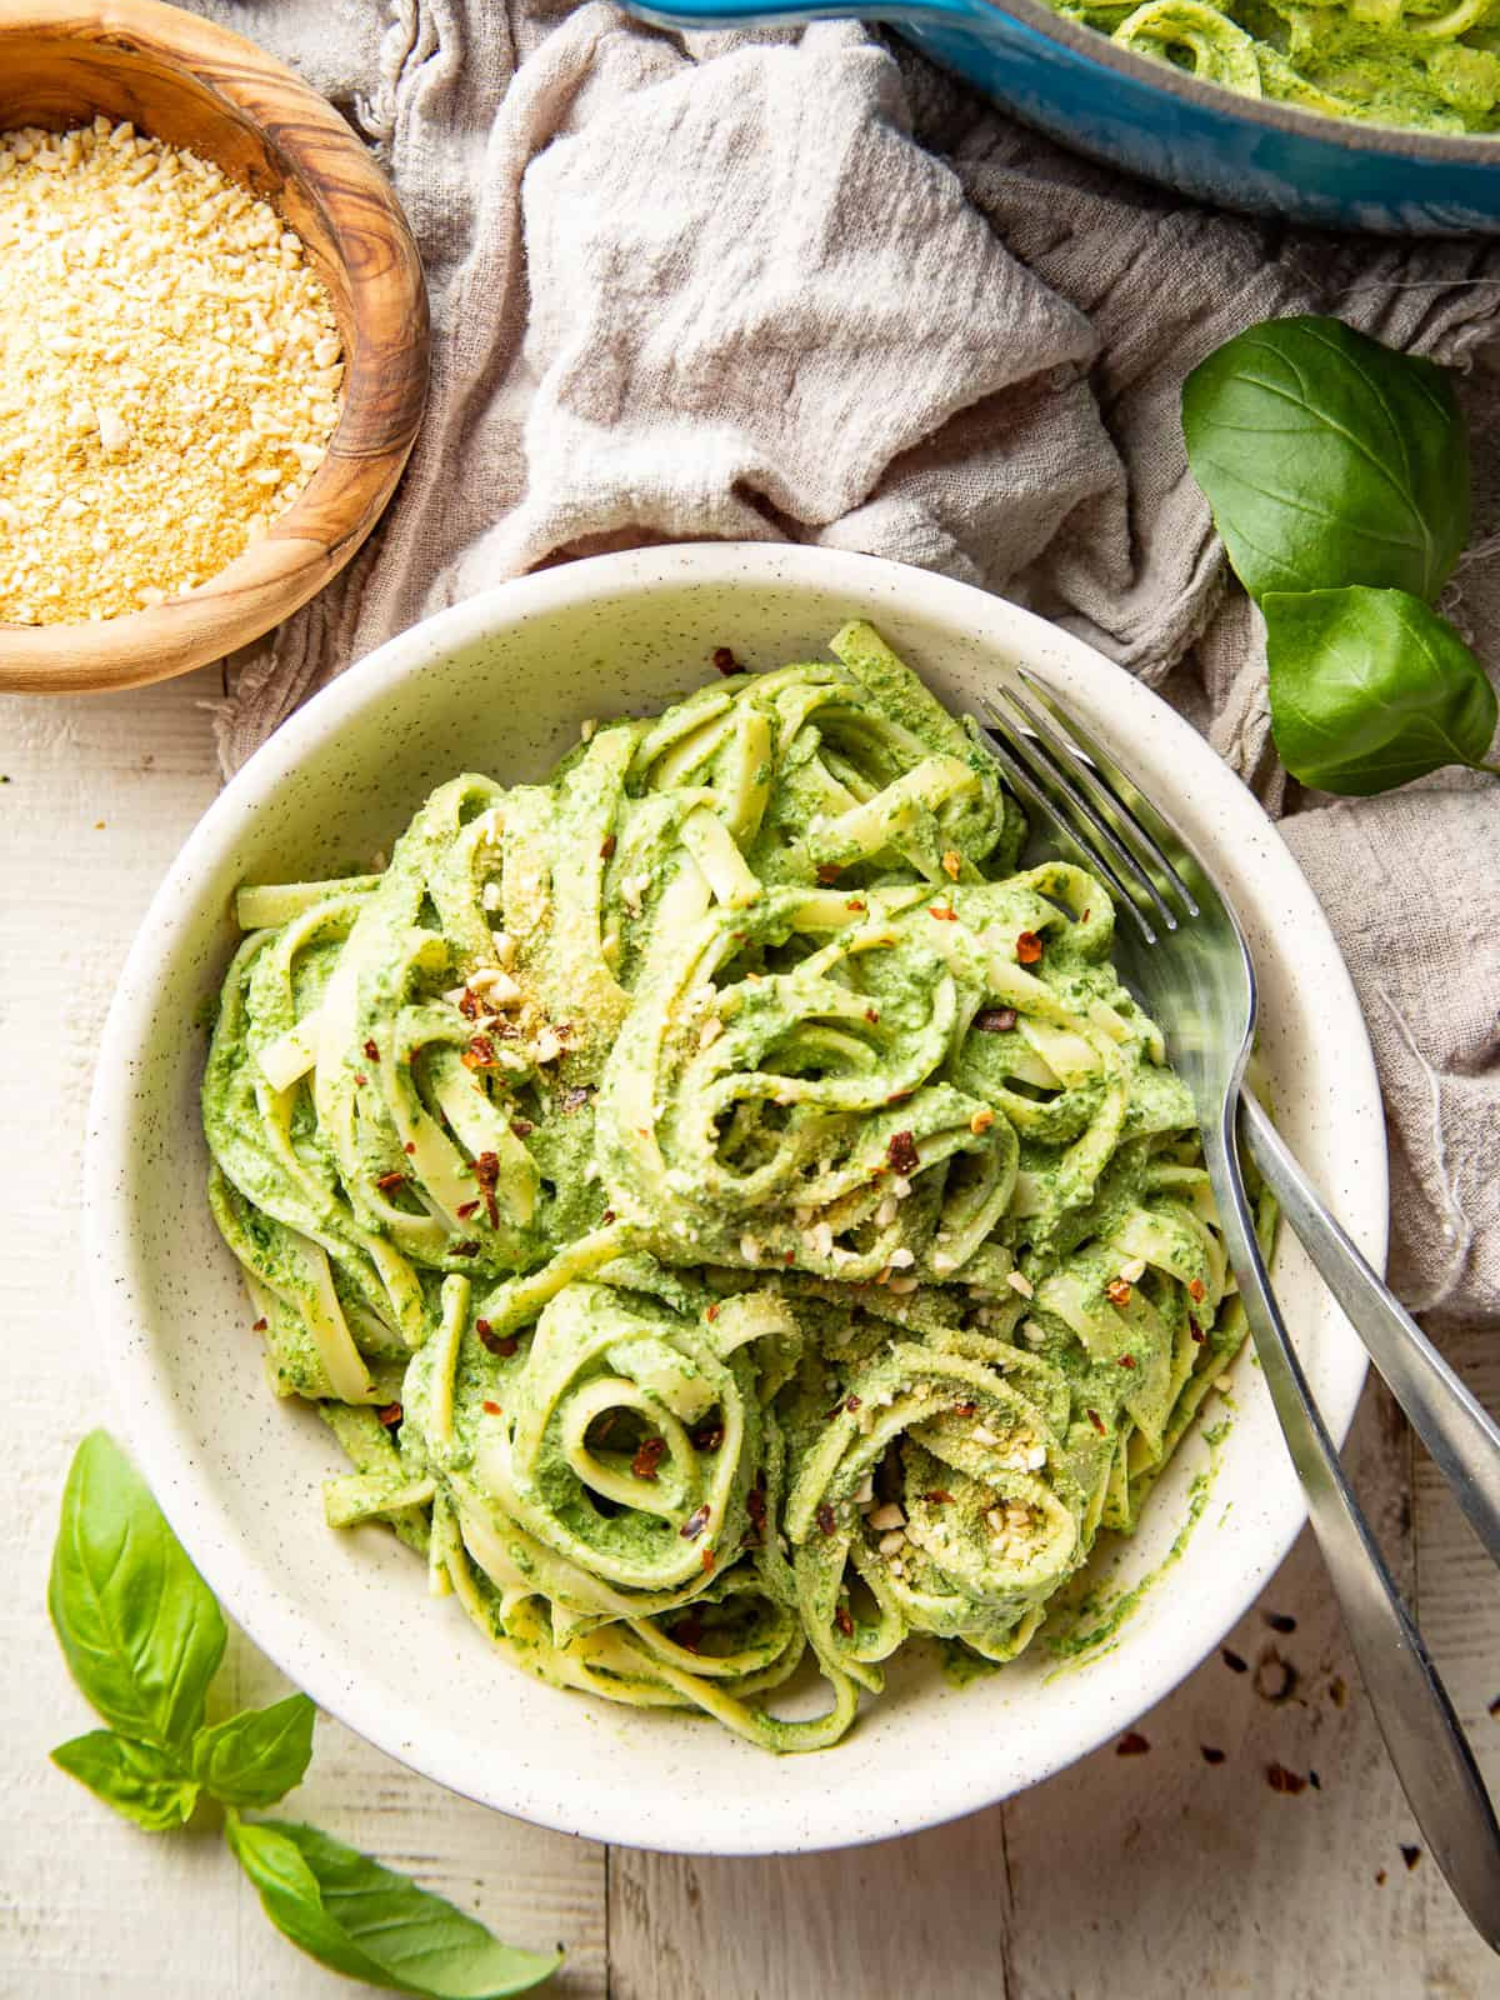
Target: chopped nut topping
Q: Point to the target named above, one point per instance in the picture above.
(952, 864)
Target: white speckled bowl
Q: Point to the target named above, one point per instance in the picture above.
(501, 684)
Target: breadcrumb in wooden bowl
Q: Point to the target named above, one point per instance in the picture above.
(234, 295)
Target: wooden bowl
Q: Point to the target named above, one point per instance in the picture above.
(189, 83)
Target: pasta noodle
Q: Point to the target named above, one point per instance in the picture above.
(727, 1210)
(1433, 64)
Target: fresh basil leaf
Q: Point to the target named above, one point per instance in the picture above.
(368, 1922)
(1329, 459)
(256, 1758)
(141, 1631)
(1370, 688)
(137, 1779)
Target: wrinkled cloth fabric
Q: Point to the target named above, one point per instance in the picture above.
(804, 286)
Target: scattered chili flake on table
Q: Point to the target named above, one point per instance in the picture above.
(1381, 1878)
(653, 1450)
(390, 1415)
(1279, 1621)
(1029, 948)
(1338, 1693)
(1210, 1754)
(1232, 1660)
(1411, 1856)
(1132, 1744)
(1494, 1707)
(1280, 1779)
(725, 661)
(901, 1153)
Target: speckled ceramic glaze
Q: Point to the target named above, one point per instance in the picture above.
(501, 684)
(1258, 154)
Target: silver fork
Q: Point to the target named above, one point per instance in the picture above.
(1181, 948)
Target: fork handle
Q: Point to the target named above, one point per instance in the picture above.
(1460, 1435)
(1416, 1718)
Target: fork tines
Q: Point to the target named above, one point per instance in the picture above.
(1093, 807)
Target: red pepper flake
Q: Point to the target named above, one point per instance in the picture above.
(466, 1209)
(1279, 1621)
(827, 1521)
(1338, 1694)
(649, 1457)
(1117, 1291)
(707, 1437)
(694, 1525)
(522, 1127)
(944, 915)
(706, 1561)
(1210, 1754)
(1096, 1420)
(607, 847)
(852, 1403)
(360, 1077)
(372, 1051)
(607, 1218)
(939, 1497)
(901, 1153)
(1127, 1361)
(259, 1326)
(964, 1409)
(1411, 1856)
(502, 1344)
(857, 904)
(575, 1097)
(1280, 1779)
(388, 1183)
(468, 1004)
(712, 1312)
(480, 1054)
(1232, 1660)
(1196, 1291)
(1029, 948)
(1314, 1780)
(468, 1248)
(789, 1257)
(725, 661)
(491, 1409)
(1380, 1878)
(872, 1015)
(390, 1415)
(1132, 1744)
(410, 1146)
(1493, 1709)
(687, 1632)
(755, 1506)
(487, 1174)
(844, 1622)
(829, 872)
(1194, 1329)
(996, 1020)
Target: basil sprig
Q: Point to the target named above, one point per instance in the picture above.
(1337, 472)
(144, 1636)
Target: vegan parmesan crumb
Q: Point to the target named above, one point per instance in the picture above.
(170, 372)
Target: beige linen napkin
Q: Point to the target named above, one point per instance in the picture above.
(806, 287)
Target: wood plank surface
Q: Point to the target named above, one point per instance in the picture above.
(1144, 1877)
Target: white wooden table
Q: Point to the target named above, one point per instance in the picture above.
(1156, 1874)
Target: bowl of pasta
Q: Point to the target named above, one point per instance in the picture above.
(1342, 114)
(638, 1232)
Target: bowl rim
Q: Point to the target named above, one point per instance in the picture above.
(248, 1591)
(388, 340)
(1277, 114)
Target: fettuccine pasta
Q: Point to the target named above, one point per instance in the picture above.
(730, 1214)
